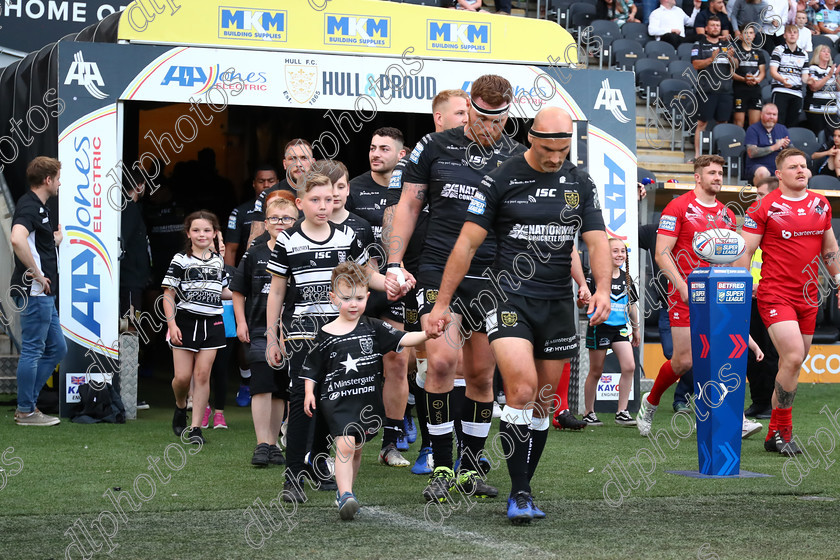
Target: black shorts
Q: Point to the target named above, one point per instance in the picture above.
(411, 304)
(266, 379)
(548, 324)
(748, 100)
(718, 108)
(380, 307)
(200, 332)
(601, 337)
(473, 298)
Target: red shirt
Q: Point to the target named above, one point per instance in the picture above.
(685, 216)
(792, 233)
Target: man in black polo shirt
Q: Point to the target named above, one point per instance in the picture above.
(715, 60)
(535, 203)
(35, 286)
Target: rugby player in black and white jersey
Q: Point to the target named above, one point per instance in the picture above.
(536, 204)
(450, 109)
(445, 168)
(368, 198)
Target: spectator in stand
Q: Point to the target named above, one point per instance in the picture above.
(811, 9)
(619, 11)
(746, 82)
(788, 71)
(804, 41)
(468, 5)
(744, 12)
(714, 8)
(830, 150)
(777, 15)
(828, 20)
(822, 86)
(668, 22)
(764, 139)
(714, 60)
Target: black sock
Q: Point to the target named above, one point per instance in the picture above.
(393, 429)
(516, 451)
(440, 428)
(475, 419)
(422, 417)
(538, 439)
(456, 402)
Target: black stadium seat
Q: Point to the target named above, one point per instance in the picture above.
(677, 69)
(636, 31)
(660, 50)
(824, 182)
(625, 53)
(728, 142)
(602, 34)
(684, 51)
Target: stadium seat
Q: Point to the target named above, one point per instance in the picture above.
(728, 142)
(824, 182)
(581, 15)
(559, 9)
(677, 69)
(660, 50)
(625, 53)
(648, 83)
(602, 35)
(635, 31)
(803, 139)
(684, 51)
(676, 103)
(823, 40)
(837, 59)
(766, 93)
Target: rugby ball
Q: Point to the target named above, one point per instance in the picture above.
(719, 246)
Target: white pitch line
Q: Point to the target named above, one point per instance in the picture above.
(471, 537)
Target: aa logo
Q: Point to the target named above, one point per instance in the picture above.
(572, 198)
(509, 318)
(431, 296)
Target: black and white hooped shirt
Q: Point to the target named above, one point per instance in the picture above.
(197, 282)
(792, 65)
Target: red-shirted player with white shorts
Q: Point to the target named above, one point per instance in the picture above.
(793, 227)
(695, 211)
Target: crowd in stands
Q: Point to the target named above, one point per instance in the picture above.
(769, 67)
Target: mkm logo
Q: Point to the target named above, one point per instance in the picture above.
(362, 31)
(245, 24)
(457, 36)
(85, 74)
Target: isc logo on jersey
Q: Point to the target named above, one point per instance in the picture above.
(612, 100)
(361, 31)
(246, 24)
(85, 74)
(457, 36)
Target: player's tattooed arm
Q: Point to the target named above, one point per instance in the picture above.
(785, 398)
(404, 219)
(418, 190)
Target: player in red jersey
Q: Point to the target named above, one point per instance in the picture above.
(695, 211)
(793, 227)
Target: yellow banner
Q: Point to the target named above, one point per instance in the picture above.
(821, 366)
(347, 26)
